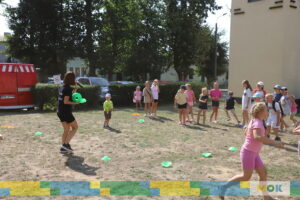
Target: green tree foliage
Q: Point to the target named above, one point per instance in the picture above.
(184, 21)
(41, 34)
(120, 21)
(206, 55)
(150, 51)
(131, 37)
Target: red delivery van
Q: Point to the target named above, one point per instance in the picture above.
(16, 81)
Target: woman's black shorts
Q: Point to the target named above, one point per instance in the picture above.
(215, 103)
(66, 117)
(183, 106)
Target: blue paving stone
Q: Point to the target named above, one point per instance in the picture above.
(74, 188)
(4, 192)
(155, 192)
(295, 184)
(145, 184)
(216, 186)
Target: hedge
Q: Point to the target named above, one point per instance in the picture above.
(45, 96)
(123, 94)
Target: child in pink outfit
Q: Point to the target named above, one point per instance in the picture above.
(137, 97)
(254, 140)
(190, 102)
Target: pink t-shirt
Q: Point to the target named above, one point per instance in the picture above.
(250, 143)
(190, 95)
(215, 94)
(138, 95)
(294, 107)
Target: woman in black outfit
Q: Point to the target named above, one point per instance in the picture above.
(64, 111)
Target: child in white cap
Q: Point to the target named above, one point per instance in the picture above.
(107, 107)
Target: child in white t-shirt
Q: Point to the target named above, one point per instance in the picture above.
(246, 102)
(155, 93)
(274, 116)
(1, 137)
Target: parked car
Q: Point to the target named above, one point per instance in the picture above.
(51, 80)
(102, 82)
(16, 81)
(121, 82)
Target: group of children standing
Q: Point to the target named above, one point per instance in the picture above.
(279, 104)
(150, 94)
(185, 100)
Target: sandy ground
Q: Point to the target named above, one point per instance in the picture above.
(136, 150)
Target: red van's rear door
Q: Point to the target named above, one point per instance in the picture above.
(26, 78)
(8, 85)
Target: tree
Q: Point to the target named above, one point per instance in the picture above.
(42, 34)
(120, 21)
(206, 56)
(184, 20)
(150, 51)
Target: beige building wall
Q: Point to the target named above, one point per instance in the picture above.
(265, 44)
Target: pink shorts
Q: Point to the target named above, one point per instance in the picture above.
(190, 103)
(250, 160)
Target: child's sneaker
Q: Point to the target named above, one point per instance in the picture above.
(277, 138)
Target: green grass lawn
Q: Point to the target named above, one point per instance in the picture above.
(136, 149)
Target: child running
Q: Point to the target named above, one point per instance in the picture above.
(274, 116)
(202, 105)
(1, 137)
(229, 106)
(190, 103)
(137, 97)
(107, 107)
(249, 154)
(294, 109)
(215, 95)
(181, 102)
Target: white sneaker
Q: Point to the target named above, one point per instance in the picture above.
(245, 127)
(215, 122)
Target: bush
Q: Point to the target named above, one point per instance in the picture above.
(123, 94)
(45, 96)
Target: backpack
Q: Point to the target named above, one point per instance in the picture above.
(274, 108)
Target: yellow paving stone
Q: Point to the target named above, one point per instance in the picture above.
(179, 192)
(170, 184)
(245, 184)
(95, 184)
(105, 192)
(25, 188)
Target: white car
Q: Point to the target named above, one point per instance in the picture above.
(102, 82)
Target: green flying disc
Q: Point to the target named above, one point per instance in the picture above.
(77, 98)
(232, 149)
(106, 158)
(166, 164)
(39, 133)
(206, 155)
(141, 121)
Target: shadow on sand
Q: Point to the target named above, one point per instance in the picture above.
(76, 163)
